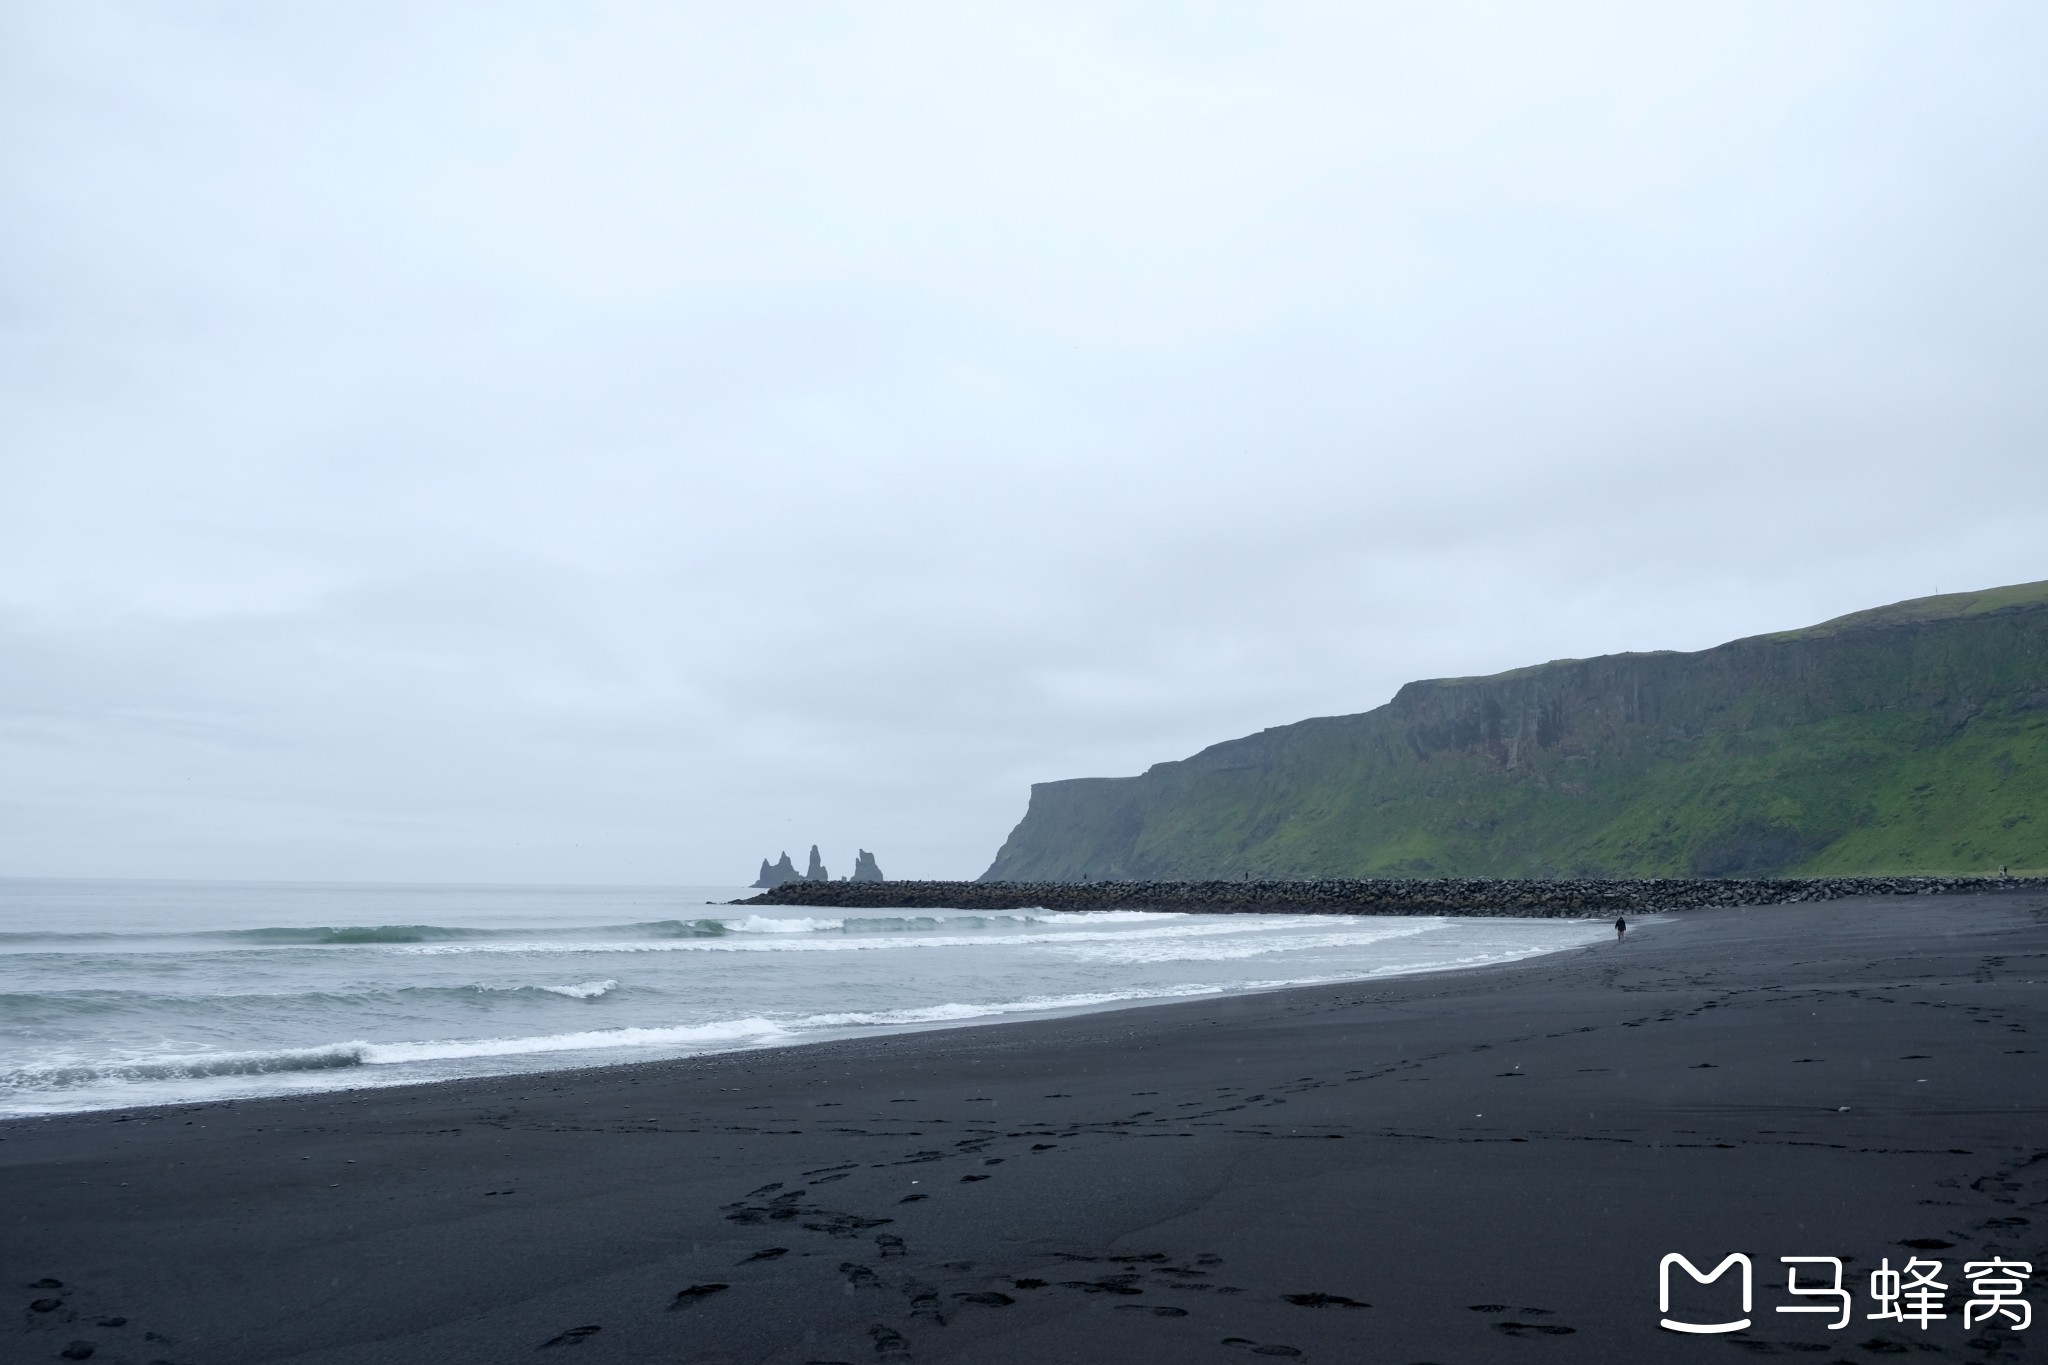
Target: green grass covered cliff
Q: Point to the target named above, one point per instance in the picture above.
(1910, 738)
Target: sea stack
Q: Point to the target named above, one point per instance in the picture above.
(865, 869)
(816, 872)
(776, 873)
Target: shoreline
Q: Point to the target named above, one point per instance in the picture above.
(1471, 896)
(996, 1016)
(1472, 1165)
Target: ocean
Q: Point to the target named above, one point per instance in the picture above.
(117, 993)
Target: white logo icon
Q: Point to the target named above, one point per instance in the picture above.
(1664, 1291)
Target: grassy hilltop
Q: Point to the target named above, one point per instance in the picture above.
(1909, 738)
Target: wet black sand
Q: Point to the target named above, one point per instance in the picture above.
(1470, 1168)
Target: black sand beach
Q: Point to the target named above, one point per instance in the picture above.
(1475, 1167)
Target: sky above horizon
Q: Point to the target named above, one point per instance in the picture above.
(617, 442)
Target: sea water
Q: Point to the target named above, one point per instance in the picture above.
(125, 993)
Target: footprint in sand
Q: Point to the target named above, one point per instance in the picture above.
(1269, 1349)
(1323, 1301)
(1156, 1310)
(767, 1254)
(1533, 1329)
(1108, 1284)
(695, 1294)
(1880, 1346)
(987, 1298)
(889, 1343)
(573, 1337)
(924, 1303)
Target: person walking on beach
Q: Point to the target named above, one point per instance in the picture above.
(1620, 928)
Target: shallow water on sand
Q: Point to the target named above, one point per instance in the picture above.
(121, 993)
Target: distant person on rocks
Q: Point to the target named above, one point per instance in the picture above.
(1620, 928)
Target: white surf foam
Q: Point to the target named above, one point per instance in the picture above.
(1261, 925)
(584, 990)
(100, 1030)
(1209, 950)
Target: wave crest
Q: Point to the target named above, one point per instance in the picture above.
(55, 1075)
(584, 990)
(373, 935)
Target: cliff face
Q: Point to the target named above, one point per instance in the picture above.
(1909, 738)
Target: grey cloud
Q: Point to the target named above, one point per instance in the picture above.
(614, 444)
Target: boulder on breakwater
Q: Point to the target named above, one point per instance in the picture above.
(1381, 896)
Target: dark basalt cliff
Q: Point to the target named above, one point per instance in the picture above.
(1911, 738)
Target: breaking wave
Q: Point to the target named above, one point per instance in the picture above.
(24, 1010)
(372, 935)
(685, 1039)
(402, 986)
(912, 935)
(721, 1035)
(583, 990)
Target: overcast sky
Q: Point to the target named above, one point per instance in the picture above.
(616, 442)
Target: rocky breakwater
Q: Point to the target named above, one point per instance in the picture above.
(1381, 896)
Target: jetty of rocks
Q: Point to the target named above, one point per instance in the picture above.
(1560, 897)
